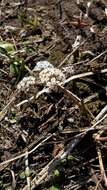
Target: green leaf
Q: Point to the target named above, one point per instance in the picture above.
(22, 175)
(12, 121)
(27, 172)
(3, 51)
(6, 47)
(13, 69)
(53, 187)
(56, 172)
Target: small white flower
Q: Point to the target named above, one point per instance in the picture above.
(51, 76)
(26, 83)
(68, 70)
(42, 65)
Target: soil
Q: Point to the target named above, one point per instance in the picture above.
(46, 30)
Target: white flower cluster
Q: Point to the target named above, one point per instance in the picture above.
(26, 83)
(68, 70)
(51, 76)
(42, 65)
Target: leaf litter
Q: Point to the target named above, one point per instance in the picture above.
(53, 76)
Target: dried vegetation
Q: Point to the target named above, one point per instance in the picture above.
(53, 95)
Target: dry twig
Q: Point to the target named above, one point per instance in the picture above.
(24, 154)
(82, 75)
(103, 174)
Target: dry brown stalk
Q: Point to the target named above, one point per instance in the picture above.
(82, 75)
(69, 55)
(61, 155)
(103, 174)
(76, 100)
(24, 154)
(97, 57)
(95, 179)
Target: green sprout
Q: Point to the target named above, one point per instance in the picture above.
(17, 66)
